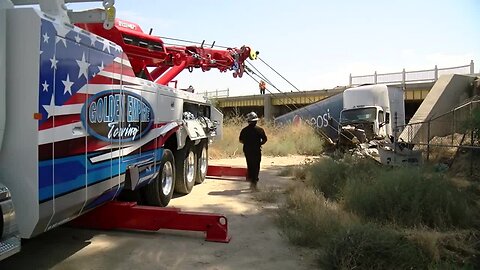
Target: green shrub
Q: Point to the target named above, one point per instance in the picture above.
(474, 124)
(474, 121)
(329, 176)
(307, 219)
(370, 247)
(409, 197)
(392, 198)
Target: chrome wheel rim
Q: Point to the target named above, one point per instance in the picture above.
(203, 162)
(167, 178)
(190, 167)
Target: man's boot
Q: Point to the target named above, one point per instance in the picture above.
(253, 186)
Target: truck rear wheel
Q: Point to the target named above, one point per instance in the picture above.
(160, 191)
(202, 162)
(185, 169)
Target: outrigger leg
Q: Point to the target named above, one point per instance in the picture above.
(227, 172)
(129, 215)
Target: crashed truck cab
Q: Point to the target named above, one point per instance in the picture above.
(371, 112)
(366, 123)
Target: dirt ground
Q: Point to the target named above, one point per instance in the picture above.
(256, 242)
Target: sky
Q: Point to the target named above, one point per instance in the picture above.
(315, 44)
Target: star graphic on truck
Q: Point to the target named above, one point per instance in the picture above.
(68, 85)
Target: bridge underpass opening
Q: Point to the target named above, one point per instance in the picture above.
(231, 112)
(411, 106)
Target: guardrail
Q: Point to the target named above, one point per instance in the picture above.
(404, 76)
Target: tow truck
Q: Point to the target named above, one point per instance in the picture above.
(90, 133)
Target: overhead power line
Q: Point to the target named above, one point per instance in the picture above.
(257, 73)
(294, 102)
(319, 131)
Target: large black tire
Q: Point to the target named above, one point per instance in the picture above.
(201, 153)
(185, 168)
(160, 191)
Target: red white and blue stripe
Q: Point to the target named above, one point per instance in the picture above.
(75, 65)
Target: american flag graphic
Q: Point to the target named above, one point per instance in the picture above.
(74, 66)
(69, 60)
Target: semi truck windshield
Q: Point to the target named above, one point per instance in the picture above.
(361, 114)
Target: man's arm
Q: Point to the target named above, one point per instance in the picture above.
(240, 138)
(263, 136)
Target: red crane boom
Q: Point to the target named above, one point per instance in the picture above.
(146, 52)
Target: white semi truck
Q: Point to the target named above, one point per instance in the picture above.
(372, 112)
(84, 121)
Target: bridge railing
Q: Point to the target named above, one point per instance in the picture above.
(404, 77)
(217, 93)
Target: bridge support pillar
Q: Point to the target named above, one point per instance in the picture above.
(268, 110)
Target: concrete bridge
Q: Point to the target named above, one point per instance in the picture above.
(417, 84)
(276, 104)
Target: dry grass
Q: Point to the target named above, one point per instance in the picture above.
(452, 248)
(297, 172)
(428, 240)
(368, 246)
(228, 146)
(308, 219)
(411, 197)
(401, 218)
(282, 141)
(439, 151)
(268, 195)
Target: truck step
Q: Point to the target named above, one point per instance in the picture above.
(9, 246)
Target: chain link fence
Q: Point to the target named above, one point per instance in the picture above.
(452, 139)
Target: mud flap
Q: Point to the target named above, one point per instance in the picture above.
(194, 130)
(217, 118)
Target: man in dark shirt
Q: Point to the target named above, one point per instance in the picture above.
(253, 137)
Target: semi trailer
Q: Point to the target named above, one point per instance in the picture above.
(361, 113)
